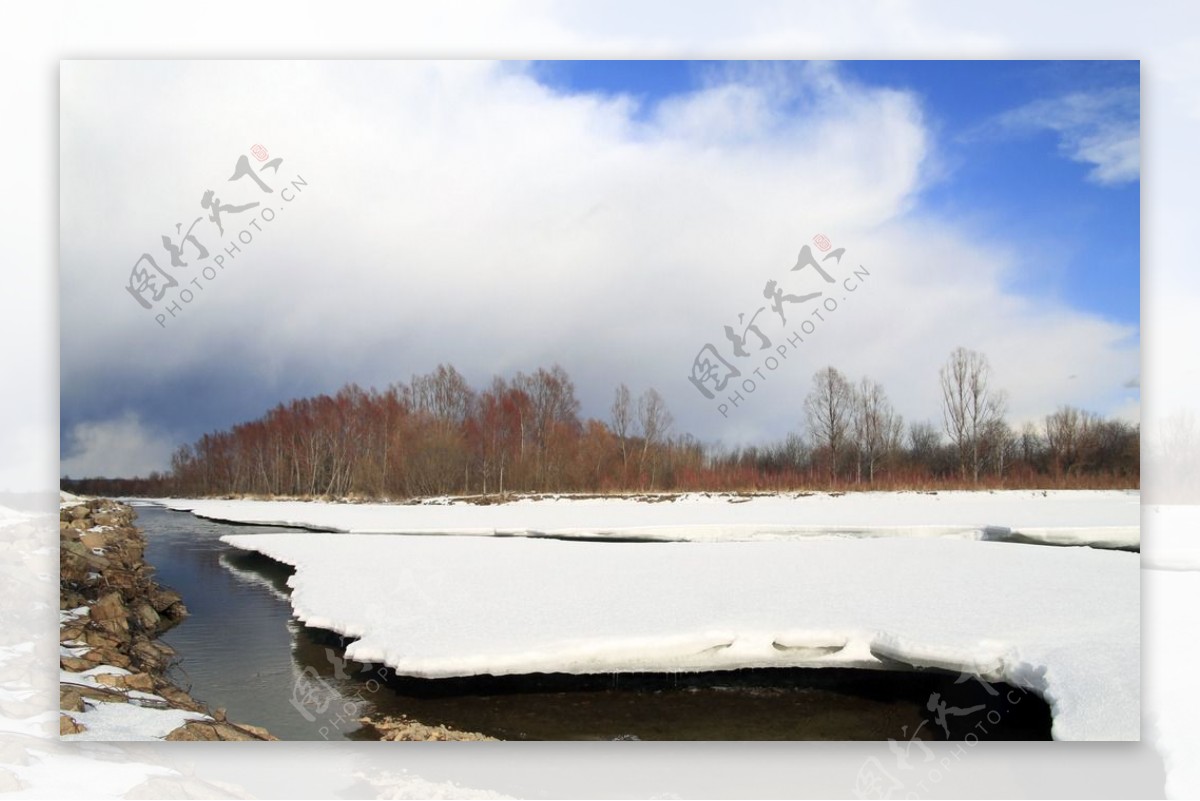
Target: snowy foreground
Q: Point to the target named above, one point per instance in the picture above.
(1063, 621)
(1105, 519)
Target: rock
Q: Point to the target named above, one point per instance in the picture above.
(151, 657)
(72, 546)
(110, 614)
(70, 633)
(93, 539)
(258, 731)
(107, 656)
(219, 714)
(163, 599)
(404, 729)
(179, 699)
(131, 681)
(120, 579)
(79, 512)
(68, 725)
(175, 612)
(71, 599)
(207, 730)
(69, 700)
(108, 606)
(140, 681)
(97, 562)
(75, 664)
(100, 639)
(146, 617)
(72, 562)
(193, 732)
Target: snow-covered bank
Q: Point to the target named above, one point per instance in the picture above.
(1062, 621)
(1100, 518)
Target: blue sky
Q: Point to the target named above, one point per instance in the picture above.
(1016, 183)
(610, 217)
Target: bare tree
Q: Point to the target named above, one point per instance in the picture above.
(622, 417)
(875, 426)
(444, 395)
(655, 421)
(554, 416)
(1000, 445)
(969, 406)
(923, 442)
(1068, 432)
(828, 408)
(1031, 445)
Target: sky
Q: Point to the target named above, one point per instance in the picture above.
(610, 217)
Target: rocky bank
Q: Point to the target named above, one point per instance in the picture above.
(112, 612)
(403, 728)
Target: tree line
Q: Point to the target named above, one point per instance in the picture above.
(854, 433)
(437, 435)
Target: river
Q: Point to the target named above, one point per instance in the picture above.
(242, 650)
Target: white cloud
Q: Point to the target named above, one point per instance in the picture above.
(463, 212)
(121, 447)
(1100, 128)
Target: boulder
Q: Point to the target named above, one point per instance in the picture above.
(403, 728)
(75, 664)
(93, 539)
(207, 730)
(140, 681)
(72, 562)
(110, 614)
(68, 725)
(163, 599)
(70, 599)
(151, 657)
(146, 617)
(107, 656)
(100, 639)
(131, 681)
(257, 731)
(108, 606)
(179, 699)
(69, 700)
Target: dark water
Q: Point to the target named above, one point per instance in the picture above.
(242, 650)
